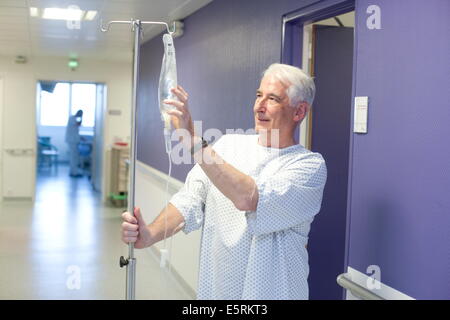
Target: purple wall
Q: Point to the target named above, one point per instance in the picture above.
(399, 215)
(220, 57)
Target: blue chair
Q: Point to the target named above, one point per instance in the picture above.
(85, 149)
(47, 153)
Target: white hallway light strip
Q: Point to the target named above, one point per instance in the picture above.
(69, 14)
(34, 12)
(63, 14)
(90, 15)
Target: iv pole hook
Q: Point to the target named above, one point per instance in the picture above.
(133, 22)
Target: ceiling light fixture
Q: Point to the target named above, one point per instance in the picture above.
(68, 14)
(34, 12)
(62, 14)
(90, 15)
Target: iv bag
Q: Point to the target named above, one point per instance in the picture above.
(167, 78)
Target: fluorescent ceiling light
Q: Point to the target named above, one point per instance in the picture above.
(90, 15)
(63, 14)
(34, 12)
(69, 14)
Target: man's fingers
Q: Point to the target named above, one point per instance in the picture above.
(183, 91)
(181, 94)
(177, 104)
(129, 227)
(129, 239)
(130, 236)
(138, 216)
(126, 216)
(130, 233)
(175, 113)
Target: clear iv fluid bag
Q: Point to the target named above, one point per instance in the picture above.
(168, 77)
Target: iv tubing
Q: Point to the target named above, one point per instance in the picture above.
(167, 199)
(165, 254)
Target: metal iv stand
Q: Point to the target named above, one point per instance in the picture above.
(130, 263)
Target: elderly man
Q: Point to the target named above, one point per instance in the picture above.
(254, 195)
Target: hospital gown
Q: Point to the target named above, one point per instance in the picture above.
(260, 254)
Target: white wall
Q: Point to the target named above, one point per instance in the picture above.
(19, 109)
(18, 131)
(151, 198)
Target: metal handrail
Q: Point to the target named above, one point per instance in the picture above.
(19, 151)
(356, 289)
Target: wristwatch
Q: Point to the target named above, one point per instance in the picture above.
(198, 146)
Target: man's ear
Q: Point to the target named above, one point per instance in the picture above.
(300, 111)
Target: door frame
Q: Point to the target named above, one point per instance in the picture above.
(292, 46)
(72, 81)
(293, 22)
(291, 52)
(98, 154)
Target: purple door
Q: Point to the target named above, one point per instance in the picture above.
(333, 58)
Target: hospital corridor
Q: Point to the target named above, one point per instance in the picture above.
(67, 230)
(224, 150)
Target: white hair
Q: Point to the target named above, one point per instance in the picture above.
(300, 85)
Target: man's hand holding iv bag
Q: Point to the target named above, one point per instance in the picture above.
(181, 116)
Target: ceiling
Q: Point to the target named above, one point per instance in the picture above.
(21, 34)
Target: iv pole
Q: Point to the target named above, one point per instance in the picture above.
(130, 263)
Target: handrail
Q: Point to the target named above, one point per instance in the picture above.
(356, 289)
(19, 151)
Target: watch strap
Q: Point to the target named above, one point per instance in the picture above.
(200, 145)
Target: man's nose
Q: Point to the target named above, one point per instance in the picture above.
(261, 104)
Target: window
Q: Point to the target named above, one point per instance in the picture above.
(66, 99)
(55, 106)
(84, 98)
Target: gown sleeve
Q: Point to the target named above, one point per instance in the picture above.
(288, 198)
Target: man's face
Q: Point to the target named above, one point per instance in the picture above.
(272, 109)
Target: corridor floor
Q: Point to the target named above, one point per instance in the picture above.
(66, 245)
